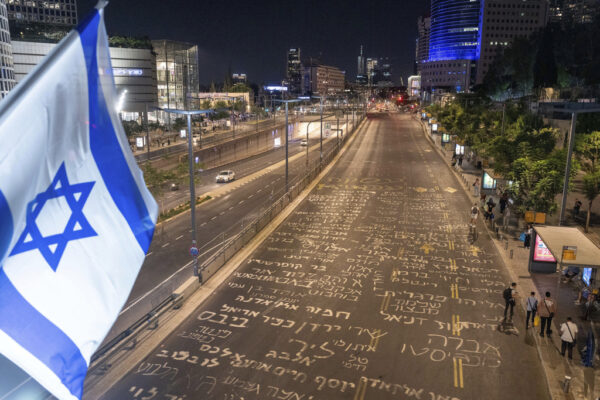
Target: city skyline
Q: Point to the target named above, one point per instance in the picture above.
(384, 28)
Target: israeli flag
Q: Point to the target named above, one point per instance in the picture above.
(76, 218)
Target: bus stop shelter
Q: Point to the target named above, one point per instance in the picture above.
(559, 246)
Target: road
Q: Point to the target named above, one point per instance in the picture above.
(166, 265)
(370, 289)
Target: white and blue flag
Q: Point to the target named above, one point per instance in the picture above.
(76, 219)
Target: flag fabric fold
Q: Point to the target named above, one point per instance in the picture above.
(76, 218)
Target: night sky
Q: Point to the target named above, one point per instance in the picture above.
(254, 36)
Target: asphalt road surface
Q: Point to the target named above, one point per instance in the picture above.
(166, 265)
(371, 289)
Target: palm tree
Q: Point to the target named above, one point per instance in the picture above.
(591, 189)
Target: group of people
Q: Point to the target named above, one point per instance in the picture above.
(545, 309)
(489, 206)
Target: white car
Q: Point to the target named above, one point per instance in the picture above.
(225, 176)
(304, 142)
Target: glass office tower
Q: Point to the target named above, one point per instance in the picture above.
(454, 30)
(177, 74)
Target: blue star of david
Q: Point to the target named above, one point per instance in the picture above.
(52, 247)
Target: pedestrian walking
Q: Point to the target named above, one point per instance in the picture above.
(460, 160)
(577, 207)
(474, 214)
(532, 304)
(490, 209)
(527, 241)
(506, 218)
(546, 310)
(503, 202)
(568, 337)
(509, 298)
(476, 187)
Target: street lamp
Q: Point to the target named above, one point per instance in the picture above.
(189, 113)
(321, 99)
(286, 102)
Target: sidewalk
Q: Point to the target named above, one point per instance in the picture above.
(585, 383)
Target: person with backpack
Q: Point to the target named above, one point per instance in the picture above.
(568, 336)
(532, 304)
(474, 214)
(509, 298)
(546, 311)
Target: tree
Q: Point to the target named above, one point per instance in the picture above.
(179, 124)
(588, 147)
(591, 189)
(213, 88)
(206, 104)
(131, 128)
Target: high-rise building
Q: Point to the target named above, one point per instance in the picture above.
(7, 73)
(453, 45)
(361, 76)
(371, 66)
(573, 11)
(294, 71)
(322, 79)
(54, 12)
(239, 78)
(177, 74)
(502, 22)
(466, 36)
(424, 28)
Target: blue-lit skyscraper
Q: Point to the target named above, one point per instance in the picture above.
(454, 30)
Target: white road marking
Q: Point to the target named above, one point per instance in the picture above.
(213, 218)
(251, 196)
(165, 245)
(222, 212)
(202, 224)
(241, 201)
(148, 254)
(231, 208)
(178, 237)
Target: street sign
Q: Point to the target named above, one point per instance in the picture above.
(194, 251)
(182, 133)
(569, 253)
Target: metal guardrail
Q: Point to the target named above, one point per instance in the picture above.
(127, 340)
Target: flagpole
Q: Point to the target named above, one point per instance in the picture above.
(101, 4)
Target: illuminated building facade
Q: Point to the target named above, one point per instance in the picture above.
(53, 12)
(7, 73)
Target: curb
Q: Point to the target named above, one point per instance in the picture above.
(511, 273)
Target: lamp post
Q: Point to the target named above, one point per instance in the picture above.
(286, 102)
(189, 114)
(321, 100)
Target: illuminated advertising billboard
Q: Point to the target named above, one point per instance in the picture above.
(541, 252)
(587, 275)
(445, 138)
(488, 181)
